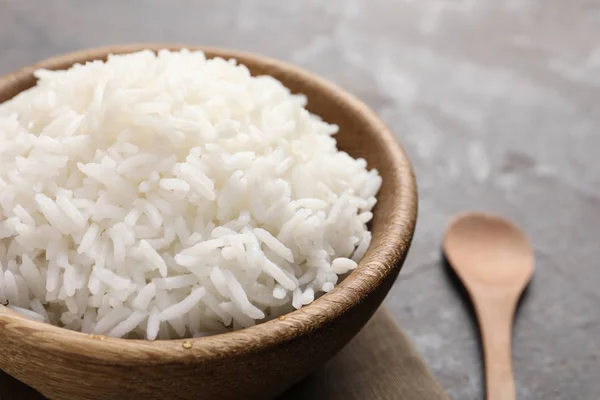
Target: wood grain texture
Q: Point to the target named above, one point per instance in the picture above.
(494, 260)
(380, 363)
(255, 363)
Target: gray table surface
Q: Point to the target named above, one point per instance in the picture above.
(498, 105)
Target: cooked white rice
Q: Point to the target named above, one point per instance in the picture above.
(168, 195)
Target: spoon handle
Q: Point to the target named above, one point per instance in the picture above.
(495, 322)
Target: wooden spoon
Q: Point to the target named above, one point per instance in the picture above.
(494, 260)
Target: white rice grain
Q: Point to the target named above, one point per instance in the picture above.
(11, 289)
(27, 313)
(110, 320)
(88, 238)
(274, 244)
(32, 275)
(129, 324)
(342, 265)
(278, 274)
(144, 297)
(238, 295)
(153, 324)
(2, 286)
(153, 258)
(71, 212)
(174, 184)
(176, 282)
(179, 309)
(168, 195)
(109, 278)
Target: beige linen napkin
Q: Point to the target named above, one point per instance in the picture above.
(379, 364)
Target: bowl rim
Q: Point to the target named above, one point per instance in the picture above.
(382, 259)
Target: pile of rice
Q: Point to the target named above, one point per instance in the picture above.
(165, 196)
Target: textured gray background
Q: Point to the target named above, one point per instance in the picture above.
(498, 105)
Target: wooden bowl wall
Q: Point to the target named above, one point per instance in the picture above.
(257, 362)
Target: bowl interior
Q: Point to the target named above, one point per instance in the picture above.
(361, 134)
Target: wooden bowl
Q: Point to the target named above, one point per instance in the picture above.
(254, 363)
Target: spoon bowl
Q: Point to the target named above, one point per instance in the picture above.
(489, 250)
